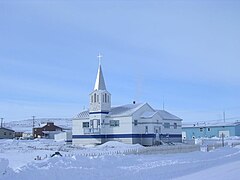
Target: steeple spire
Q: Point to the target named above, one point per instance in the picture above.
(100, 83)
(100, 98)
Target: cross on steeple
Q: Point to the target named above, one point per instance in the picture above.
(99, 58)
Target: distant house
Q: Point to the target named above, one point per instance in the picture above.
(198, 130)
(18, 134)
(47, 131)
(6, 133)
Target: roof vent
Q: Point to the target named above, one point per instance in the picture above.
(134, 102)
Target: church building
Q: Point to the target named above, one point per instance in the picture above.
(130, 123)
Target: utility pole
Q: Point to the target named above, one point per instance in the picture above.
(223, 140)
(1, 122)
(33, 126)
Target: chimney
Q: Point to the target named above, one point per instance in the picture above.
(134, 102)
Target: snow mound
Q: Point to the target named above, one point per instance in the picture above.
(116, 144)
(4, 169)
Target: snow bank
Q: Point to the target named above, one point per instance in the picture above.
(4, 169)
(221, 172)
(131, 166)
(116, 144)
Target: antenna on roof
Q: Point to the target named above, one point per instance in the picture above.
(1, 122)
(33, 125)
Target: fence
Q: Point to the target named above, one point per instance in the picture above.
(146, 150)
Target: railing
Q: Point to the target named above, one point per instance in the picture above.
(91, 130)
(145, 150)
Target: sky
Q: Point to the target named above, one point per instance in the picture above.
(183, 53)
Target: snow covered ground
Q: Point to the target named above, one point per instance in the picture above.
(17, 162)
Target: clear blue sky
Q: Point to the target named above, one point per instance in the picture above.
(185, 51)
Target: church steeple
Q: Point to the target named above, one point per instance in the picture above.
(100, 83)
(100, 98)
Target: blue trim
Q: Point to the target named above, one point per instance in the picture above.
(102, 112)
(99, 136)
(68, 141)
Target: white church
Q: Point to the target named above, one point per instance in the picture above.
(130, 123)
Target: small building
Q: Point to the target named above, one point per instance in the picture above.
(208, 130)
(46, 131)
(65, 136)
(129, 123)
(27, 134)
(6, 133)
(18, 134)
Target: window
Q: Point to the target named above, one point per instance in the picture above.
(95, 97)
(166, 125)
(5, 133)
(146, 129)
(114, 123)
(91, 99)
(105, 97)
(175, 125)
(208, 129)
(91, 123)
(103, 122)
(201, 129)
(135, 122)
(85, 124)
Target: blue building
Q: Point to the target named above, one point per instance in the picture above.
(198, 130)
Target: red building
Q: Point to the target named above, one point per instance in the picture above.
(47, 131)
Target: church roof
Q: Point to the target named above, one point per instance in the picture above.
(83, 114)
(166, 115)
(148, 114)
(99, 84)
(129, 109)
(125, 110)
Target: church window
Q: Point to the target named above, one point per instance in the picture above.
(91, 123)
(146, 129)
(85, 124)
(175, 125)
(105, 97)
(108, 99)
(166, 125)
(103, 123)
(95, 97)
(135, 122)
(114, 123)
(91, 99)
